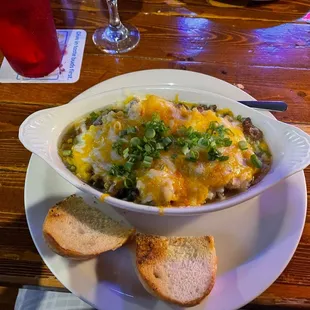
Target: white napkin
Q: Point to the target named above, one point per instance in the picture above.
(36, 299)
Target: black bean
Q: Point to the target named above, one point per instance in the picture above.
(180, 105)
(203, 107)
(250, 130)
(129, 194)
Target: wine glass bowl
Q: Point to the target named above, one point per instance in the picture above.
(116, 37)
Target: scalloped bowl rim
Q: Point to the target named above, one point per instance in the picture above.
(238, 198)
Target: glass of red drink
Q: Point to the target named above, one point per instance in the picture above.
(28, 37)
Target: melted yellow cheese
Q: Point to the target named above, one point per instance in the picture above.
(81, 153)
(103, 197)
(168, 182)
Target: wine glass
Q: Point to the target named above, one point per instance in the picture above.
(116, 37)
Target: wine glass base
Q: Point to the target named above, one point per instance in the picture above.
(116, 40)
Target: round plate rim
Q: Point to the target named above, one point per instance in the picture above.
(92, 90)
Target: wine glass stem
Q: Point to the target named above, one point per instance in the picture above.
(114, 19)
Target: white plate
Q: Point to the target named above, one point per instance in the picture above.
(254, 240)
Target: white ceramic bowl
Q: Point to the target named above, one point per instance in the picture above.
(40, 133)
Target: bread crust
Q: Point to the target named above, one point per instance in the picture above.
(150, 251)
(68, 216)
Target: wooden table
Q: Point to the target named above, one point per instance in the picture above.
(263, 49)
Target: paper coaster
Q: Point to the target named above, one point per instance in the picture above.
(72, 43)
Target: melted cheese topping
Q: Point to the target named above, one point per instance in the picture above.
(169, 182)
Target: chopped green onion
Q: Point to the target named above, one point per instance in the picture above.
(155, 154)
(189, 130)
(213, 154)
(185, 149)
(213, 144)
(239, 118)
(148, 148)
(122, 140)
(167, 141)
(156, 124)
(159, 146)
(118, 146)
(213, 125)
(264, 151)
(228, 131)
(203, 142)
(135, 141)
(182, 130)
(150, 133)
(126, 152)
(132, 158)
(193, 156)
(226, 142)
(147, 161)
(128, 166)
(93, 116)
(131, 130)
(223, 158)
(148, 158)
(146, 164)
(72, 168)
(117, 170)
(180, 141)
(128, 183)
(66, 152)
(243, 145)
(256, 161)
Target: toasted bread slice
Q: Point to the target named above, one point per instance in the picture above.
(75, 230)
(180, 270)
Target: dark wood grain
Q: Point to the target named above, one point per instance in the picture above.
(283, 11)
(267, 44)
(268, 83)
(262, 49)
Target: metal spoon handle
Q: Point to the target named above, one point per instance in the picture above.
(277, 106)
